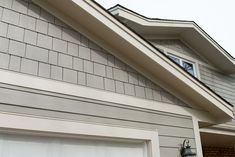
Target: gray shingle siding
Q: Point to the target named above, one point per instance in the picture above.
(37, 43)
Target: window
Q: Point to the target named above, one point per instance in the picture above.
(187, 65)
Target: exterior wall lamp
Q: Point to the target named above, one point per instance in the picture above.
(186, 150)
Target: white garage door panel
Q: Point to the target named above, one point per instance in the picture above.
(28, 146)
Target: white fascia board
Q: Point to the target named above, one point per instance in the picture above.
(138, 45)
(215, 45)
(122, 12)
(225, 126)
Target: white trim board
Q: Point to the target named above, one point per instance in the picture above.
(19, 123)
(223, 129)
(197, 137)
(33, 82)
(217, 131)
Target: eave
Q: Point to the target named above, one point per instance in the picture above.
(188, 31)
(100, 26)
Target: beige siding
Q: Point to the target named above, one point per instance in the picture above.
(224, 85)
(36, 43)
(178, 46)
(173, 129)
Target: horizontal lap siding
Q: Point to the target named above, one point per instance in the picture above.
(72, 105)
(34, 42)
(173, 152)
(173, 129)
(224, 85)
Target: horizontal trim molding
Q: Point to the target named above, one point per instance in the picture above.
(43, 84)
(218, 131)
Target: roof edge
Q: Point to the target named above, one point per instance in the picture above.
(118, 10)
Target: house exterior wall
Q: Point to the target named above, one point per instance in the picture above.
(33, 42)
(223, 85)
(172, 129)
(37, 43)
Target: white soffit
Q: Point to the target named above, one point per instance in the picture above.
(188, 31)
(98, 25)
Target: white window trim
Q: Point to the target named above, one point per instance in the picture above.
(14, 123)
(181, 59)
(196, 63)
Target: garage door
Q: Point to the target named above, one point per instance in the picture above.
(28, 146)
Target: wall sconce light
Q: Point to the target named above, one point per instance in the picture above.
(186, 150)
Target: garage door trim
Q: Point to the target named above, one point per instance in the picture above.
(12, 122)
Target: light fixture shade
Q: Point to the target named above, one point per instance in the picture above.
(186, 150)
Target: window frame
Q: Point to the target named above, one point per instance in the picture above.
(196, 62)
(181, 60)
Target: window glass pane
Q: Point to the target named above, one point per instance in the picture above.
(188, 67)
(175, 59)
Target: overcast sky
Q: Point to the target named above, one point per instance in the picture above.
(216, 17)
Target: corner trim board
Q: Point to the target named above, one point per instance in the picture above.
(197, 137)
